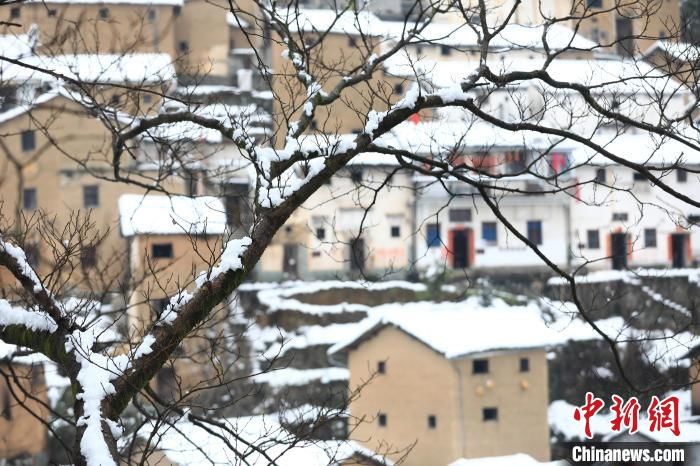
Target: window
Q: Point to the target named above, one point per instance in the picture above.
(490, 414)
(321, 233)
(162, 251)
(480, 366)
(351, 42)
(460, 215)
(381, 367)
(650, 237)
(147, 98)
(6, 404)
(534, 231)
(489, 232)
(681, 175)
(619, 216)
(600, 175)
(433, 235)
(694, 219)
(183, 46)
(104, 13)
(28, 141)
(398, 88)
(51, 12)
(445, 50)
(395, 232)
(114, 99)
(432, 421)
(638, 176)
(15, 12)
(524, 365)
(177, 10)
(594, 3)
(381, 419)
(88, 257)
(151, 15)
(593, 239)
(356, 175)
(314, 125)
(29, 201)
(91, 196)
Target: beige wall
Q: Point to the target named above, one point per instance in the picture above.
(20, 431)
(419, 382)
(202, 25)
(127, 29)
(53, 169)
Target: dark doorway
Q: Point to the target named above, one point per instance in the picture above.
(290, 265)
(679, 247)
(619, 250)
(357, 254)
(460, 249)
(623, 30)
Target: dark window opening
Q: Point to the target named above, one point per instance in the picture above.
(177, 10)
(650, 237)
(460, 215)
(638, 176)
(321, 233)
(600, 175)
(88, 257)
(6, 404)
(314, 125)
(147, 98)
(151, 15)
(162, 251)
(681, 175)
(534, 231)
(593, 239)
(29, 199)
(51, 12)
(91, 196)
(694, 219)
(594, 3)
(104, 13)
(395, 232)
(382, 420)
(381, 367)
(114, 100)
(352, 42)
(398, 88)
(524, 365)
(28, 141)
(433, 235)
(490, 414)
(445, 50)
(356, 176)
(15, 12)
(183, 46)
(432, 421)
(620, 216)
(33, 256)
(480, 366)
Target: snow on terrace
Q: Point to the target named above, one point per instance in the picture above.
(682, 51)
(152, 69)
(255, 439)
(167, 215)
(601, 276)
(321, 20)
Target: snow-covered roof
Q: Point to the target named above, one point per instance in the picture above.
(678, 50)
(15, 46)
(645, 148)
(604, 75)
(322, 20)
(236, 22)
(131, 68)
(519, 459)
(167, 215)
(260, 437)
(456, 329)
(513, 36)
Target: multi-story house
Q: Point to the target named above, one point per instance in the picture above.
(359, 223)
(449, 381)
